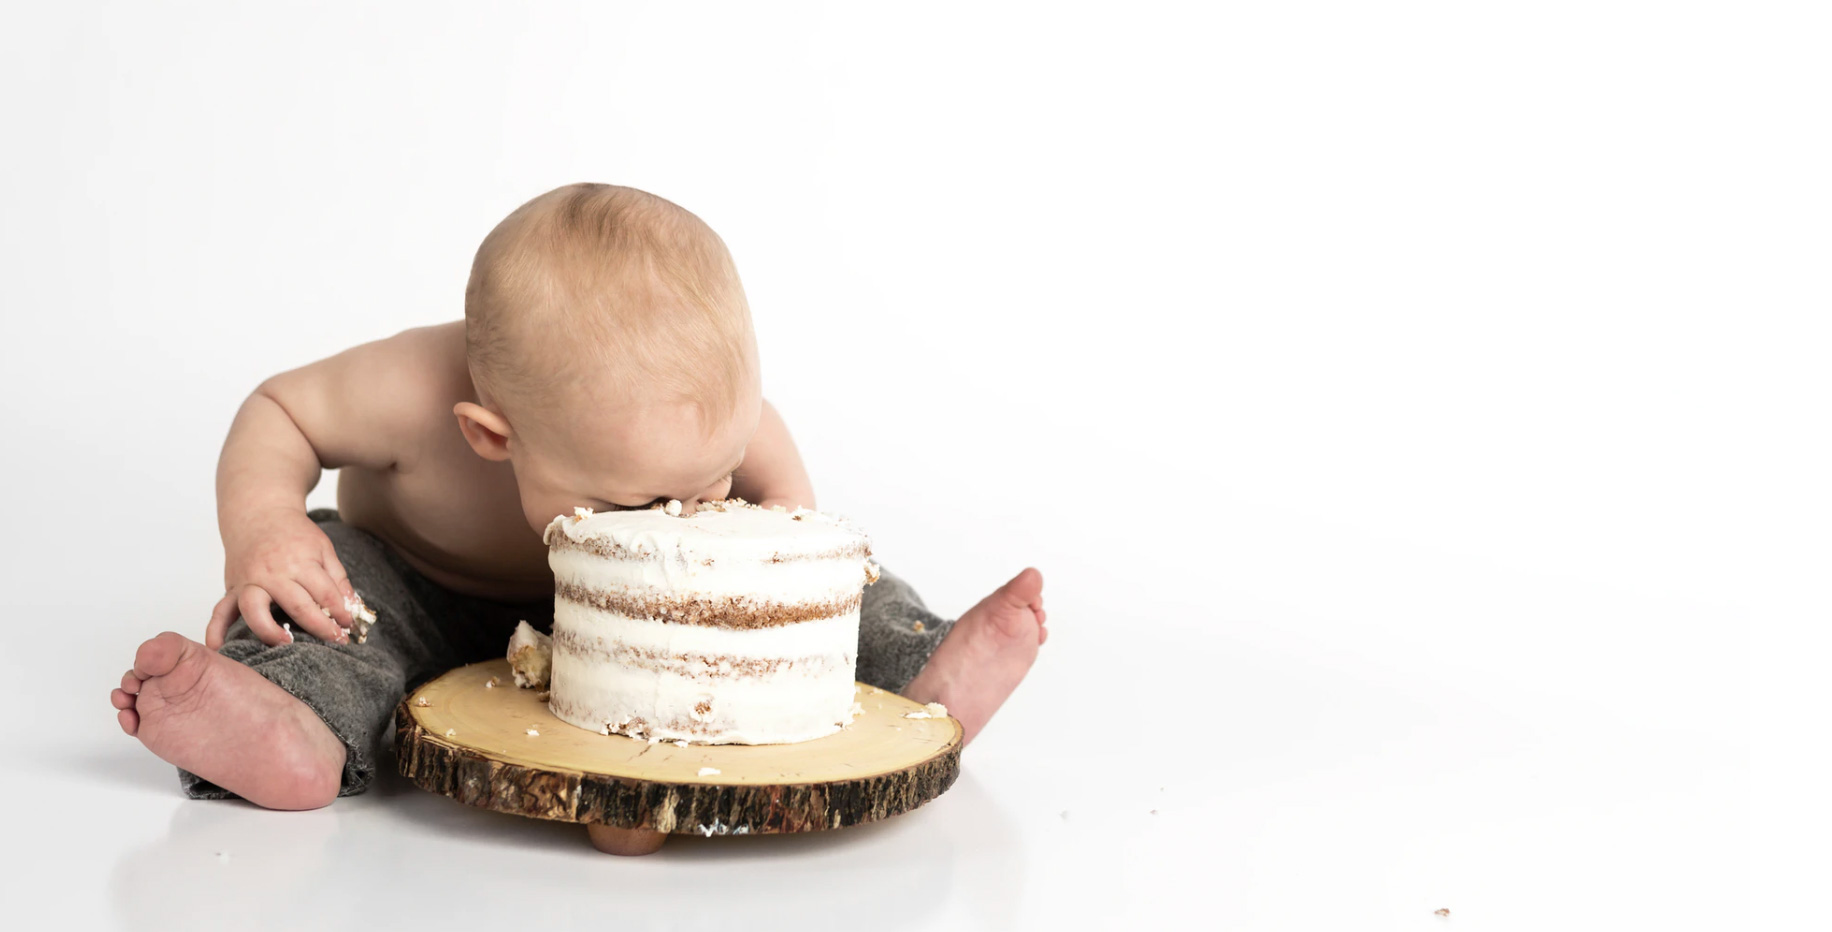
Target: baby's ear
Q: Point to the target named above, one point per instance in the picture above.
(487, 431)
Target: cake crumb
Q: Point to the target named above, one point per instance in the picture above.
(680, 744)
(362, 618)
(871, 572)
(937, 709)
(674, 507)
(708, 771)
(490, 683)
(533, 733)
(580, 513)
(544, 695)
(918, 626)
(1442, 913)
(421, 702)
(289, 629)
(778, 508)
(530, 656)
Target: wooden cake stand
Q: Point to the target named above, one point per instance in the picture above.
(473, 742)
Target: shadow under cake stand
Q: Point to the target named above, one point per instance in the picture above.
(498, 747)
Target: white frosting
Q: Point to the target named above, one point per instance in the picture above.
(782, 683)
(808, 696)
(814, 580)
(715, 529)
(361, 618)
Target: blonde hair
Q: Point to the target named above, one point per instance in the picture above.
(611, 283)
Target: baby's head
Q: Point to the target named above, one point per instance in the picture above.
(612, 351)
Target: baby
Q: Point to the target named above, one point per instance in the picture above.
(606, 359)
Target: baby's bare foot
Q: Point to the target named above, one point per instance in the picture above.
(203, 712)
(985, 654)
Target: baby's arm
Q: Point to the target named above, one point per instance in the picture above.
(772, 472)
(347, 410)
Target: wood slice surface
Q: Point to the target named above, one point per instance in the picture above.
(460, 737)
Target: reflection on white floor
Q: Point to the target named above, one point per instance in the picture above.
(400, 854)
(1316, 774)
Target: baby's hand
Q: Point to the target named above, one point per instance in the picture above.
(282, 558)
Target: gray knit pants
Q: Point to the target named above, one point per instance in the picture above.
(423, 629)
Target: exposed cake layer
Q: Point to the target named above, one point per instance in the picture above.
(720, 611)
(656, 679)
(705, 667)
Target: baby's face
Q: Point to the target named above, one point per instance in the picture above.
(630, 457)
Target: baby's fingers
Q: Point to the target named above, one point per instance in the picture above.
(335, 568)
(254, 603)
(318, 583)
(221, 617)
(307, 614)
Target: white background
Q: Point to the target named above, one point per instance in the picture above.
(1417, 411)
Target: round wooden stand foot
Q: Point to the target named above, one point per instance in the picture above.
(625, 841)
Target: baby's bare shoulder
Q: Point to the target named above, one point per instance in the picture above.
(370, 404)
(424, 361)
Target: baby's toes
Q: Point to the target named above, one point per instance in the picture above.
(130, 684)
(159, 654)
(129, 719)
(121, 700)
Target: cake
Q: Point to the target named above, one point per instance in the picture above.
(734, 625)
(530, 656)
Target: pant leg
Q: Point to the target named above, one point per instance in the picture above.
(897, 633)
(354, 687)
